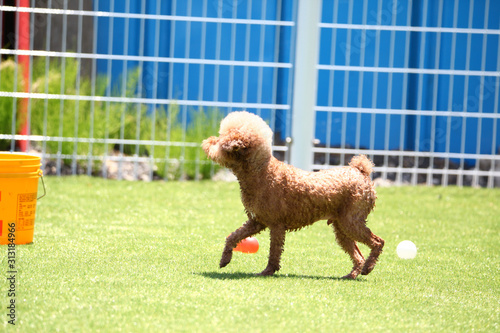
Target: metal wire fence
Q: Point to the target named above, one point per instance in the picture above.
(125, 88)
(128, 89)
(414, 84)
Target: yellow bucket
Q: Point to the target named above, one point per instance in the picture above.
(19, 175)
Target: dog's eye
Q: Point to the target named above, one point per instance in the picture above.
(238, 146)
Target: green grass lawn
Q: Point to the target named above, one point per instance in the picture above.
(143, 257)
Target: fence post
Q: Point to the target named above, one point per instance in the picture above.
(305, 83)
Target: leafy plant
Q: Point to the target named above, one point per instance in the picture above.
(74, 117)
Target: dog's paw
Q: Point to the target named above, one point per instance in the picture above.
(367, 269)
(266, 272)
(224, 263)
(226, 259)
(349, 276)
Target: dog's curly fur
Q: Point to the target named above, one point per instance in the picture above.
(283, 198)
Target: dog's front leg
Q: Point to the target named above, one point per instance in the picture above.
(275, 251)
(250, 228)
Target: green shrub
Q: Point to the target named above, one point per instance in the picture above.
(112, 120)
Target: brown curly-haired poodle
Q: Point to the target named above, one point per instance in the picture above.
(283, 198)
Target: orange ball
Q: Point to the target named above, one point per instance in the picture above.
(248, 245)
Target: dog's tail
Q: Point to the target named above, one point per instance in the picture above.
(363, 164)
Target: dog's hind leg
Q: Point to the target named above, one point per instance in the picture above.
(248, 229)
(376, 245)
(355, 228)
(275, 251)
(350, 247)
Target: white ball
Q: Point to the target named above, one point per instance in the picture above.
(406, 250)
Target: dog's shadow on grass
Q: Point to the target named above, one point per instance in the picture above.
(242, 276)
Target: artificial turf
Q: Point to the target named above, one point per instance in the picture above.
(111, 256)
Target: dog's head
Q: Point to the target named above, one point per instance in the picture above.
(244, 138)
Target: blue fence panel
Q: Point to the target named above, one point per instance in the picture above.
(212, 41)
(341, 88)
(366, 89)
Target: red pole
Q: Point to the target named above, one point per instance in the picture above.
(23, 43)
